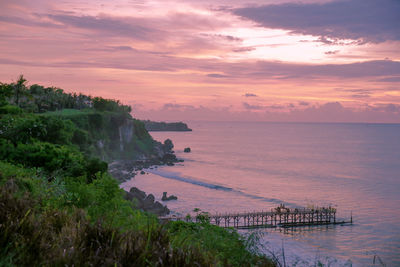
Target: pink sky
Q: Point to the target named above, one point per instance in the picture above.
(262, 60)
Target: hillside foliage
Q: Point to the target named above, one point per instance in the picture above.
(60, 207)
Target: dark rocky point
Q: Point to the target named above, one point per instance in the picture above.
(166, 126)
(123, 170)
(146, 202)
(166, 198)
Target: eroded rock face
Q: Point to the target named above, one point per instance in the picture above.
(146, 202)
(126, 131)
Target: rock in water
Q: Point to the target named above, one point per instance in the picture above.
(187, 150)
(168, 146)
(171, 197)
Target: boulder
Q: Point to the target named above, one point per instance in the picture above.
(137, 193)
(166, 198)
(187, 150)
(169, 158)
(168, 146)
(159, 209)
(146, 202)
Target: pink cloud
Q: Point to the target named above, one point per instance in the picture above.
(329, 112)
(181, 57)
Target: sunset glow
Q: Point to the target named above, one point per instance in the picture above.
(214, 60)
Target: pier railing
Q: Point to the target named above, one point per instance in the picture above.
(279, 217)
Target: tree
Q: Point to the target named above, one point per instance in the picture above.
(20, 89)
(6, 91)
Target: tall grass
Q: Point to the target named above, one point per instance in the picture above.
(53, 222)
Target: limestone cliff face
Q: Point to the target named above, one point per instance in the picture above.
(126, 132)
(114, 135)
(130, 140)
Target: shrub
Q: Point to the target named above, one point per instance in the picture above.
(10, 109)
(58, 131)
(93, 167)
(48, 156)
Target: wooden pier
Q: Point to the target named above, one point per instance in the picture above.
(278, 217)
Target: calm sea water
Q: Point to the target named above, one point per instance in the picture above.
(246, 166)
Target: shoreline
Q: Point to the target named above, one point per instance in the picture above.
(271, 242)
(126, 170)
(295, 251)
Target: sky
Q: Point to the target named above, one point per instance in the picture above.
(175, 60)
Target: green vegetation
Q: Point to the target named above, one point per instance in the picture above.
(166, 126)
(59, 205)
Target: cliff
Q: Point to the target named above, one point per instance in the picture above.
(111, 136)
(166, 126)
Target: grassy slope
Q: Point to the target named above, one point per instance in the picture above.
(59, 206)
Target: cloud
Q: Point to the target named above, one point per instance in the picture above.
(244, 49)
(336, 112)
(304, 103)
(228, 38)
(357, 93)
(176, 106)
(364, 20)
(277, 107)
(115, 26)
(360, 96)
(178, 112)
(328, 112)
(388, 108)
(29, 21)
(123, 48)
(250, 95)
(389, 80)
(385, 70)
(351, 70)
(216, 75)
(332, 52)
(252, 107)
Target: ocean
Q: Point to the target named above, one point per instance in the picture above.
(254, 166)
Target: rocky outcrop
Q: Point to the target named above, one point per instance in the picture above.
(167, 198)
(146, 202)
(166, 126)
(187, 150)
(123, 170)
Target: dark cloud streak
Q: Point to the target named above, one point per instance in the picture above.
(250, 95)
(112, 26)
(365, 20)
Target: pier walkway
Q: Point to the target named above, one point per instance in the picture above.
(279, 217)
